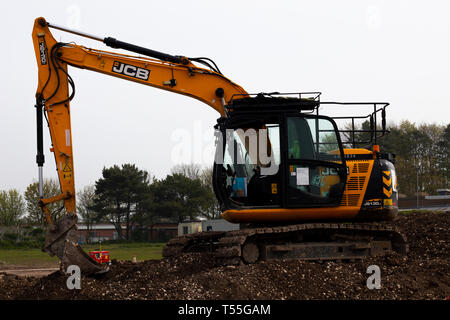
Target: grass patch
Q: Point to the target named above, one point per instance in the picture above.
(30, 258)
(126, 251)
(35, 258)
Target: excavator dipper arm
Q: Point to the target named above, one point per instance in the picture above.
(172, 73)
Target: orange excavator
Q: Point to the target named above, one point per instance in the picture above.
(299, 186)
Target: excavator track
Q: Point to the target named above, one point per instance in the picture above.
(310, 241)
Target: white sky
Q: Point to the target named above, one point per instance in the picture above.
(394, 51)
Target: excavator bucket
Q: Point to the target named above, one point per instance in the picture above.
(62, 241)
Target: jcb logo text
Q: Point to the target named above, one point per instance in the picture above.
(131, 71)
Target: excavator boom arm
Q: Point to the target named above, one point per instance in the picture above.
(172, 73)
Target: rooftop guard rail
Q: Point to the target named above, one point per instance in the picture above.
(351, 135)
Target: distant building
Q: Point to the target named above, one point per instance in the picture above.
(188, 227)
(158, 232)
(423, 200)
(162, 232)
(98, 232)
(442, 194)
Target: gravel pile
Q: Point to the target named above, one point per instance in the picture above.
(423, 274)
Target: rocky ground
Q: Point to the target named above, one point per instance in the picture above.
(422, 274)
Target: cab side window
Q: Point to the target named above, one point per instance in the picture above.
(300, 140)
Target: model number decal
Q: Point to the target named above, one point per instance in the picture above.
(372, 203)
(130, 70)
(42, 53)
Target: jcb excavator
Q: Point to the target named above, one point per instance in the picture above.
(281, 169)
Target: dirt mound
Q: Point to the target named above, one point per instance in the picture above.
(423, 274)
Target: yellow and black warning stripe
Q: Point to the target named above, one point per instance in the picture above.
(387, 187)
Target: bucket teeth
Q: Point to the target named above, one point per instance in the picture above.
(62, 241)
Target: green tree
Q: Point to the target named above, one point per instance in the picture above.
(34, 213)
(402, 141)
(120, 194)
(421, 156)
(12, 207)
(362, 139)
(443, 150)
(85, 208)
(179, 197)
(432, 178)
(191, 171)
(211, 209)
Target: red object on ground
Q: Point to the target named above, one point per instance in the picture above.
(100, 256)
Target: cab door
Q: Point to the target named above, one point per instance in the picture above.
(315, 171)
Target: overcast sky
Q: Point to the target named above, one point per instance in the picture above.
(394, 51)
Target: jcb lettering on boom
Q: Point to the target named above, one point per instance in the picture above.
(130, 70)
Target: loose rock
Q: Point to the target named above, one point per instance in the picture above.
(423, 274)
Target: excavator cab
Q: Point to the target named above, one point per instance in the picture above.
(273, 152)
